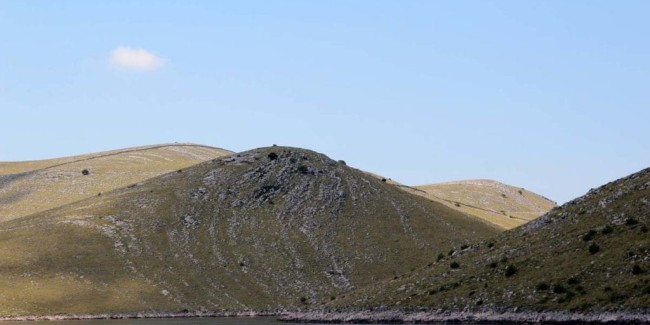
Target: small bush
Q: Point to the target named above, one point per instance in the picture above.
(272, 156)
(520, 192)
(594, 248)
(636, 269)
(558, 288)
(457, 204)
(490, 245)
(644, 229)
(589, 235)
(303, 300)
(464, 246)
(85, 172)
(511, 270)
(451, 252)
(542, 286)
(383, 180)
(503, 195)
(573, 280)
(440, 257)
(454, 265)
(607, 230)
(504, 260)
(492, 265)
(631, 221)
(342, 162)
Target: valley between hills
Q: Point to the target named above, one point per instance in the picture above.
(191, 229)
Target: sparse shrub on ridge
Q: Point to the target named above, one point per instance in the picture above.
(273, 156)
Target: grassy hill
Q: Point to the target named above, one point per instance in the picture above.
(504, 205)
(34, 186)
(589, 255)
(264, 229)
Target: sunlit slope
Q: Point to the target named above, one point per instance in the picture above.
(264, 229)
(33, 186)
(504, 205)
(591, 254)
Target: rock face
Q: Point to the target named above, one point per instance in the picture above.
(589, 255)
(265, 229)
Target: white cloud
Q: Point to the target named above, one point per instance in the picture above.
(135, 59)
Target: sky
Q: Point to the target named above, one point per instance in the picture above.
(551, 96)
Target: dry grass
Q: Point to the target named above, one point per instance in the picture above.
(34, 186)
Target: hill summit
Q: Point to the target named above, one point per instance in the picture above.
(269, 228)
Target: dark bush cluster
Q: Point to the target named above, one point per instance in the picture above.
(273, 156)
(594, 248)
(85, 172)
(454, 265)
(511, 270)
(589, 235)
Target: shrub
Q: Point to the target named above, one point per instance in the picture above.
(303, 300)
(542, 286)
(490, 245)
(520, 192)
(511, 270)
(636, 269)
(631, 221)
(85, 172)
(644, 229)
(589, 235)
(454, 265)
(607, 230)
(451, 252)
(492, 265)
(273, 156)
(303, 169)
(464, 246)
(573, 280)
(440, 257)
(503, 195)
(594, 248)
(383, 180)
(342, 162)
(457, 204)
(558, 288)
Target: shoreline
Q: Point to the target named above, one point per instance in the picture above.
(427, 317)
(142, 315)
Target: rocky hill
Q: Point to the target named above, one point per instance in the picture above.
(264, 229)
(589, 255)
(504, 205)
(33, 186)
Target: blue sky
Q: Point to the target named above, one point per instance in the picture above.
(548, 95)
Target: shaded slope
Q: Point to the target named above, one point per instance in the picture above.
(33, 186)
(504, 205)
(591, 254)
(265, 229)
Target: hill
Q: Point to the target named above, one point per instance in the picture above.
(264, 229)
(589, 255)
(504, 205)
(33, 186)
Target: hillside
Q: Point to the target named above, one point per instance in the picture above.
(33, 186)
(589, 255)
(504, 205)
(264, 229)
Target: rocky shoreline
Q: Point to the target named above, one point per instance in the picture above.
(142, 315)
(375, 317)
